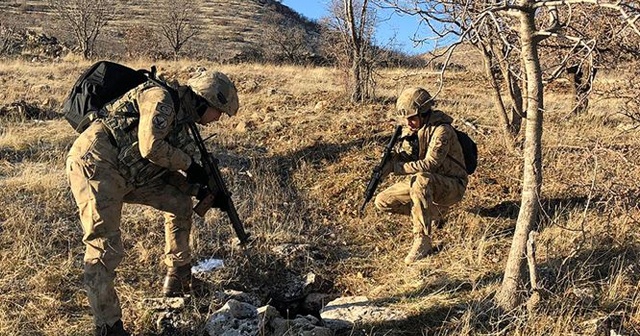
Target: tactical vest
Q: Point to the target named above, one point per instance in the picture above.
(122, 123)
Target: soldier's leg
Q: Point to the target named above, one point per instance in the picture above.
(177, 208)
(395, 199)
(421, 194)
(431, 196)
(438, 215)
(98, 188)
(447, 191)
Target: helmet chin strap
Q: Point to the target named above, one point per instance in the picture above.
(189, 101)
(426, 117)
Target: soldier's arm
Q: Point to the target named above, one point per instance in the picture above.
(157, 119)
(436, 153)
(403, 151)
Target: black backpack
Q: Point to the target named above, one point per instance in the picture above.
(469, 150)
(102, 83)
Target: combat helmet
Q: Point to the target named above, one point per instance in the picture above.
(217, 89)
(413, 101)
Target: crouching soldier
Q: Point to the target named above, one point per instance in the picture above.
(134, 156)
(433, 163)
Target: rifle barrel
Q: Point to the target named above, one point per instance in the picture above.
(217, 183)
(376, 176)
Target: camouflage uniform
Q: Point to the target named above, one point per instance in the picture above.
(110, 164)
(433, 163)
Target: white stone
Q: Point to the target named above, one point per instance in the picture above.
(343, 313)
(235, 318)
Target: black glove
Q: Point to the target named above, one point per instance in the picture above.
(388, 168)
(219, 200)
(197, 174)
(202, 193)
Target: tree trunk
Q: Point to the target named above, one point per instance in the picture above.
(356, 95)
(515, 274)
(509, 138)
(516, 101)
(86, 49)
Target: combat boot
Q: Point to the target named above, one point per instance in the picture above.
(421, 248)
(117, 329)
(177, 282)
(180, 282)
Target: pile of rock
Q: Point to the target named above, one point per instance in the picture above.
(341, 316)
(23, 110)
(28, 43)
(241, 317)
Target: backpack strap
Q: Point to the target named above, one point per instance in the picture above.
(460, 164)
(152, 78)
(152, 75)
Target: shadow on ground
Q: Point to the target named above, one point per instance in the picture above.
(565, 280)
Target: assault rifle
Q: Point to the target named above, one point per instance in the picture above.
(218, 195)
(376, 176)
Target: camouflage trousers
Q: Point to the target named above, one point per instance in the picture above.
(100, 191)
(423, 196)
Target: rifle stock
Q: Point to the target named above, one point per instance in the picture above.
(218, 195)
(376, 176)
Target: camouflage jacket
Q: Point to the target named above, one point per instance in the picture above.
(434, 148)
(151, 136)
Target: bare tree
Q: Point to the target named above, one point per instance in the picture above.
(285, 40)
(141, 41)
(521, 26)
(611, 44)
(179, 22)
(352, 26)
(85, 19)
(533, 30)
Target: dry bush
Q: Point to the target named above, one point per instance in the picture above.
(141, 42)
(7, 39)
(285, 42)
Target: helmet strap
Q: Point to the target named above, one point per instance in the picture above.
(426, 116)
(192, 102)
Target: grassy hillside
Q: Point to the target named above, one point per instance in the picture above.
(297, 158)
(229, 28)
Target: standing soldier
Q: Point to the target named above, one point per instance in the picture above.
(134, 155)
(433, 163)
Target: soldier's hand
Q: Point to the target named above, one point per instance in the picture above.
(202, 193)
(197, 174)
(205, 191)
(388, 168)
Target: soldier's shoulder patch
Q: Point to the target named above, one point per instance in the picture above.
(160, 121)
(164, 109)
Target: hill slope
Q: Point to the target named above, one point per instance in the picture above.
(231, 28)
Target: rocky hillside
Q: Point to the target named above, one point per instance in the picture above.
(232, 29)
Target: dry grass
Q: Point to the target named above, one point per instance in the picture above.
(298, 172)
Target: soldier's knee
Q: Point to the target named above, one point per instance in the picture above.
(182, 207)
(421, 182)
(96, 274)
(381, 202)
(421, 192)
(107, 251)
